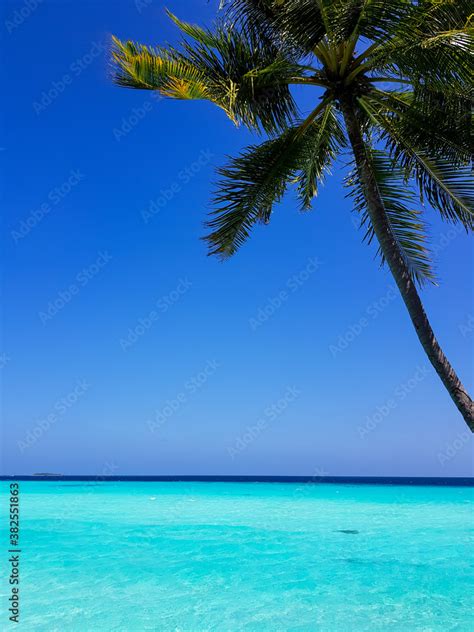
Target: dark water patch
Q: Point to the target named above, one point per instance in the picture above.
(349, 531)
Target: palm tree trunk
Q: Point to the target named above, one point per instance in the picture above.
(397, 265)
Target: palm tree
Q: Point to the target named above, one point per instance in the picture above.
(392, 85)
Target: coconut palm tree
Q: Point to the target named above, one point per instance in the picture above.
(392, 86)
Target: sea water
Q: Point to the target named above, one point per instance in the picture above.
(186, 556)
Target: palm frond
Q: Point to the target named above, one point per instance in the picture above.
(373, 20)
(400, 204)
(303, 23)
(295, 26)
(256, 180)
(433, 45)
(203, 36)
(440, 123)
(248, 80)
(144, 68)
(448, 187)
(318, 154)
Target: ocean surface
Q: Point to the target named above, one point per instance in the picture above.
(195, 556)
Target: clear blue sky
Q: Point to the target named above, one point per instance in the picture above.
(127, 350)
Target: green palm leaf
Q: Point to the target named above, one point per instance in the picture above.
(447, 185)
(326, 139)
(249, 81)
(255, 181)
(143, 68)
(439, 123)
(433, 45)
(295, 26)
(400, 204)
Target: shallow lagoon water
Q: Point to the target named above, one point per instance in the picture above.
(186, 556)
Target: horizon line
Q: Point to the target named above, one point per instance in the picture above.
(464, 481)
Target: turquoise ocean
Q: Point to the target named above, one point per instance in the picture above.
(196, 556)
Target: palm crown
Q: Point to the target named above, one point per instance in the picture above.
(392, 81)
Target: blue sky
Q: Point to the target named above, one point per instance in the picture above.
(126, 350)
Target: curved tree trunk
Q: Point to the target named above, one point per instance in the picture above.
(397, 265)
